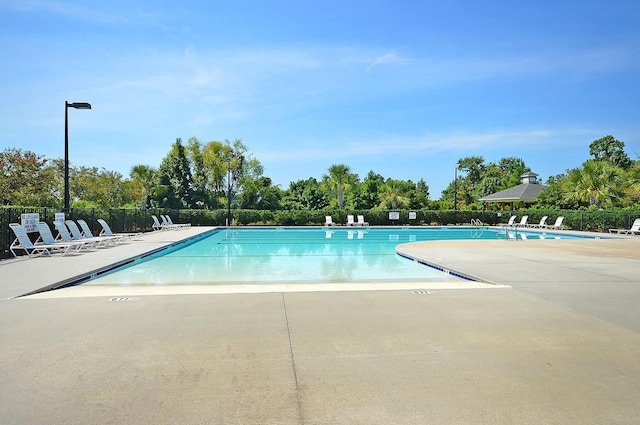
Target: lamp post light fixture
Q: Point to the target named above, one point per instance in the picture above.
(67, 105)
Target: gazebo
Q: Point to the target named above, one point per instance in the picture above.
(520, 195)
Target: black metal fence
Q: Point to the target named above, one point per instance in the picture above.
(139, 220)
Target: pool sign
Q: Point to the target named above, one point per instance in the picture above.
(394, 215)
(29, 221)
(59, 219)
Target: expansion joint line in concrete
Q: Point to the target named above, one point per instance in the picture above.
(293, 361)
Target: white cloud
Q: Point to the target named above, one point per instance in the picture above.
(387, 58)
(453, 141)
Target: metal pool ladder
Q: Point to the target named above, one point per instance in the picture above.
(505, 229)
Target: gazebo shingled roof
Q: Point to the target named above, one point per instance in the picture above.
(526, 192)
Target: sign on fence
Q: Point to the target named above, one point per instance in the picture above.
(394, 215)
(59, 219)
(412, 215)
(29, 221)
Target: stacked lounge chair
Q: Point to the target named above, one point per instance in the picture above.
(65, 236)
(106, 231)
(167, 221)
(157, 225)
(46, 238)
(77, 235)
(23, 243)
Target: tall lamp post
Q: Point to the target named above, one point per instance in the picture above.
(229, 191)
(67, 105)
(455, 190)
(455, 195)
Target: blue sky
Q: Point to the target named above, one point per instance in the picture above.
(402, 88)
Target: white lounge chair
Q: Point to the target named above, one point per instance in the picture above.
(88, 234)
(350, 221)
(557, 225)
(166, 220)
(328, 221)
(23, 243)
(634, 230)
(106, 231)
(46, 238)
(79, 236)
(157, 225)
(512, 221)
(65, 236)
(523, 221)
(361, 221)
(543, 222)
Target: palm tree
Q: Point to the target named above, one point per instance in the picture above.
(597, 183)
(391, 196)
(633, 182)
(145, 175)
(339, 179)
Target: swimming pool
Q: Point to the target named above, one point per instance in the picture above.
(290, 255)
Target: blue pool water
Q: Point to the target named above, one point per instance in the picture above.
(287, 255)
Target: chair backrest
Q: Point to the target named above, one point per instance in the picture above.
(63, 231)
(75, 231)
(523, 220)
(85, 229)
(105, 227)
(543, 220)
(165, 220)
(350, 219)
(155, 220)
(328, 219)
(558, 222)
(636, 225)
(21, 235)
(168, 220)
(360, 219)
(45, 233)
(512, 219)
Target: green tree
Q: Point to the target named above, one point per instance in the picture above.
(477, 179)
(175, 174)
(596, 183)
(305, 195)
(632, 185)
(611, 150)
(94, 187)
(554, 194)
(27, 178)
(474, 167)
(145, 177)
(369, 191)
(393, 196)
(199, 176)
(339, 179)
(259, 194)
(511, 169)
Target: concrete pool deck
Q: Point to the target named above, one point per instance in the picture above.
(559, 345)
